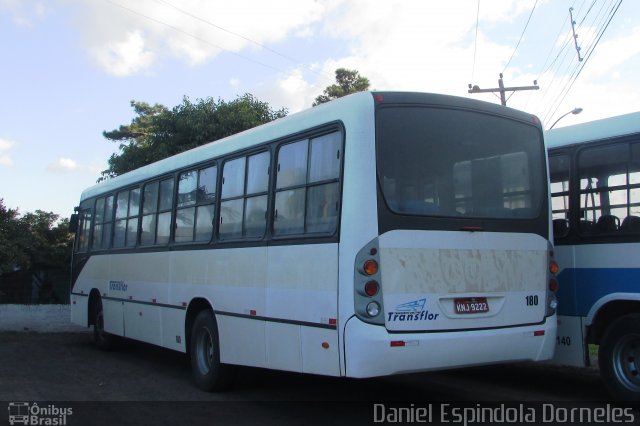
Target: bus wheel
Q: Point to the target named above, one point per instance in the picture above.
(209, 374)
(619, 358)
(101, 338)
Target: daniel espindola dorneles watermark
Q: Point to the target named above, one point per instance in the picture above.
(32, 413)
(519, 414)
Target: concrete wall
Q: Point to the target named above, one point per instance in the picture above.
(39, 318)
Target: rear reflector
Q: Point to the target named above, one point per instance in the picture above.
(396, 343)
(538, 333)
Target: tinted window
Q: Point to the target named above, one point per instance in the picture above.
(440, 162)
(307, 186)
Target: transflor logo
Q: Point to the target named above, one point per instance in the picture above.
(411, 311)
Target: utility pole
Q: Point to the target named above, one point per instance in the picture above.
(575, 35)
(503, 90)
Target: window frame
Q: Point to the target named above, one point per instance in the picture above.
(158, 211)
(245, 196)
(576, 235)
(127, 218)
(196, 205)
(308, 185)
(267, 238)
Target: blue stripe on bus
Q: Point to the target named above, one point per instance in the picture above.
(580, 288)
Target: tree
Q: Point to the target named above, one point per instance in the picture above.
(11, 240)
(34, 241)
(157, 132)
(347, 82)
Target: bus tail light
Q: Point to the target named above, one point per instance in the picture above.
(371, 288)
(552, 283)
(370, 267)
(367, 285)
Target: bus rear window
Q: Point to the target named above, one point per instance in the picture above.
(453, 163)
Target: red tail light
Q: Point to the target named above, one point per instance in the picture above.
(371, 288)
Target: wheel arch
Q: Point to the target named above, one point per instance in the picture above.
(92, 306)
(607, 313)
(196, 305)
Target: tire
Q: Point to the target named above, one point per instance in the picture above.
(103, 340)
(619, 358)
(208, 373)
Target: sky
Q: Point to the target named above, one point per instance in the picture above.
(69, 69)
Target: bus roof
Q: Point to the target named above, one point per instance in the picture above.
(343, 109)
(605, 128)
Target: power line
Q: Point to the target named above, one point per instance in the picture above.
(570, 69)
(587, 14)
(521, 35)
(262, 46)
(577, 68)
(613, 12)
(200, 39)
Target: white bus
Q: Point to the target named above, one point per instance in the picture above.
(378, 234)
(595, 186)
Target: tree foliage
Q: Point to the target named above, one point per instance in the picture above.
(347, 82)
(158, 132)
(33, 241)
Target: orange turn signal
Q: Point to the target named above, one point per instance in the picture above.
(370, 267)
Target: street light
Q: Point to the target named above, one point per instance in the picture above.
(574, 111)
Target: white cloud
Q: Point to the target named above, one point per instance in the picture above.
(122, 58)
(5, 159)
(415, 45)
(610, 54)
(294, 92)
(192, 30)
(63, 165)
(24, 13)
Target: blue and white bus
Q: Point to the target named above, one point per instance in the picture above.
(377, 234)
(595, 190)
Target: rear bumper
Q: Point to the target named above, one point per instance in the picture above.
(368, 350)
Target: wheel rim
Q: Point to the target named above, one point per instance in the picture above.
(626, 361)
(204, 350)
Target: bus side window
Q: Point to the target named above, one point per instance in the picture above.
(245, 183)
(84, 227)
(604, 187)
(307, 186)
(196, 205)
(157, 207)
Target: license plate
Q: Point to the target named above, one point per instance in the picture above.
(471, 305)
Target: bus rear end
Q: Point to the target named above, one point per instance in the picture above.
(461, 271)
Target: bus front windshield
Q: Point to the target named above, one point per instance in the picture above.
(459, 163)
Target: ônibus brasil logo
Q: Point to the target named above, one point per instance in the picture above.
(412, 311)
(26, 413)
